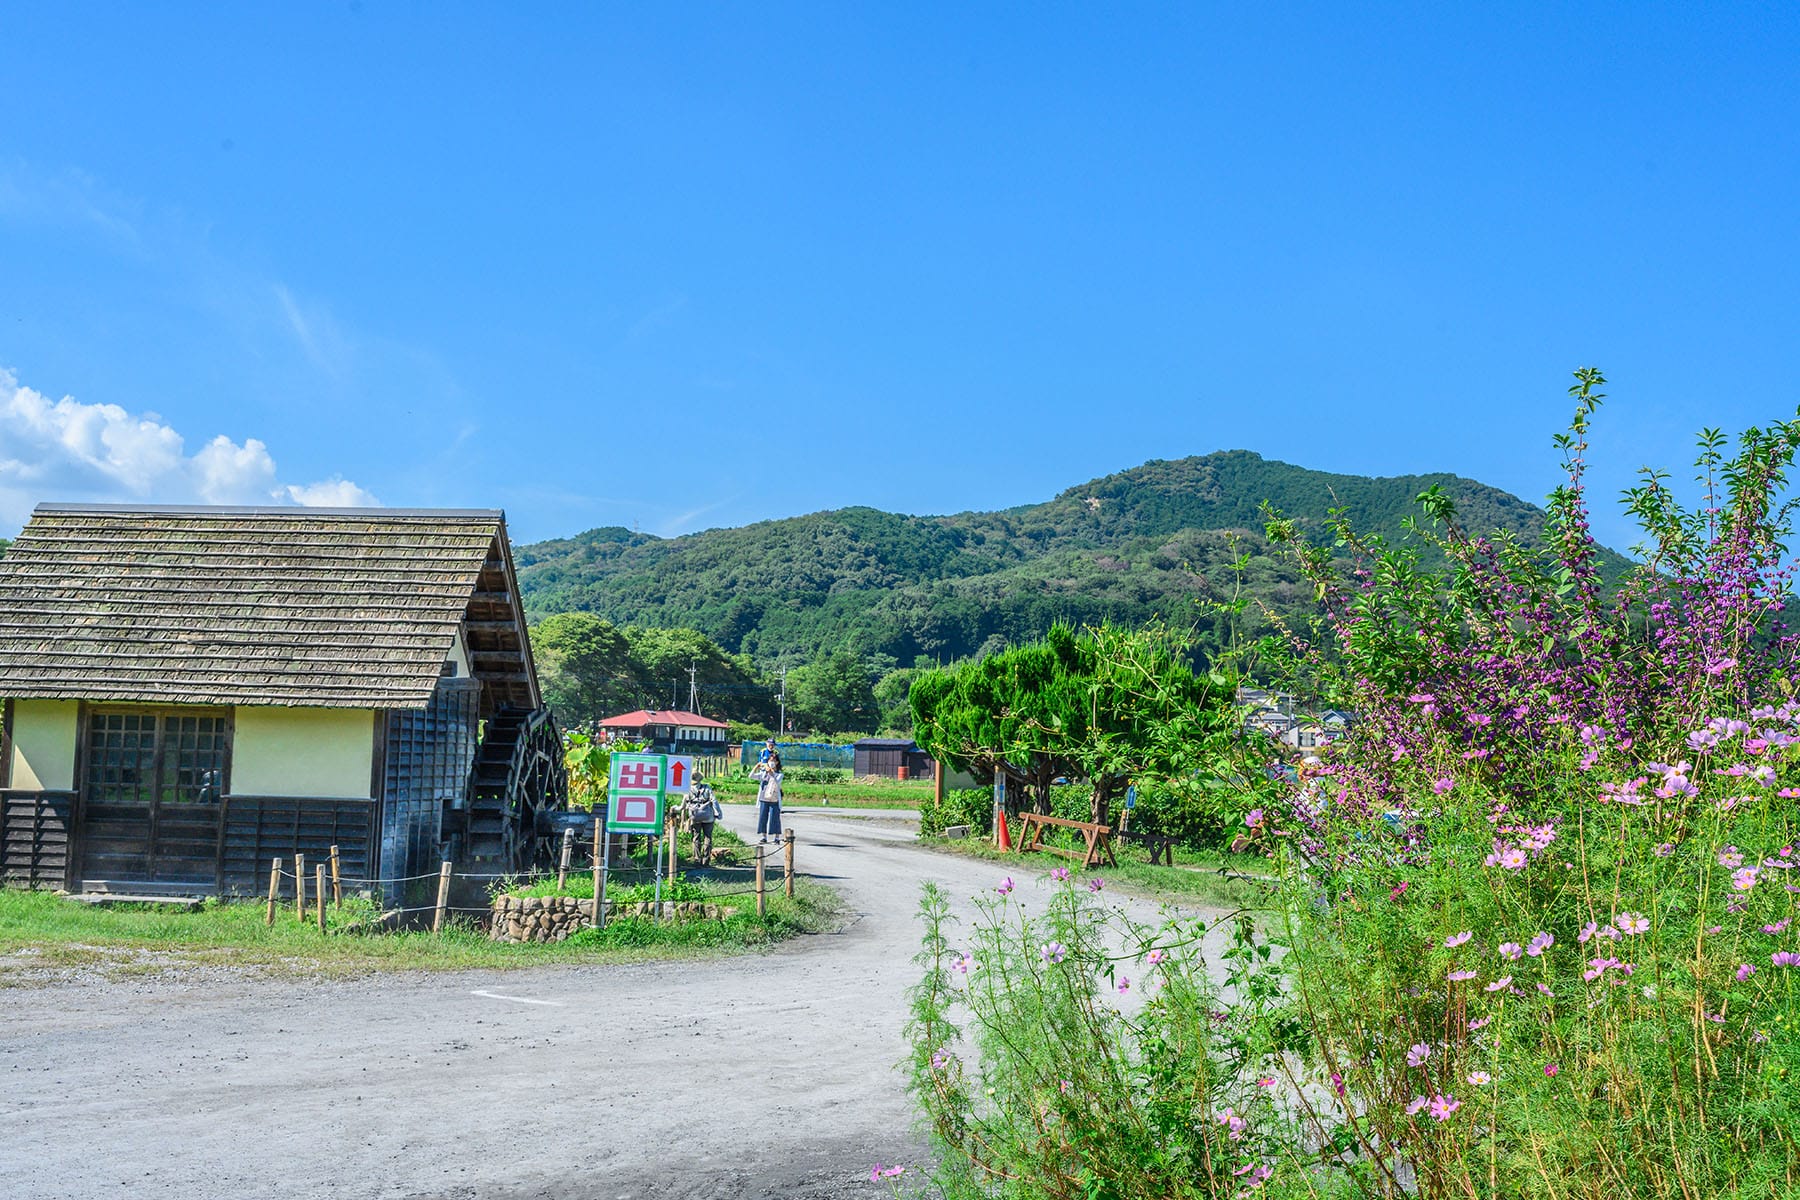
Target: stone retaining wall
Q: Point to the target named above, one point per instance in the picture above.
(553, 918)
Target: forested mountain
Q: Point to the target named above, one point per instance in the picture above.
(1132, 546)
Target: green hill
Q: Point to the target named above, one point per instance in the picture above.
(1139, 544)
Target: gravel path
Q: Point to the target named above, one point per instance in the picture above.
(768, 1075)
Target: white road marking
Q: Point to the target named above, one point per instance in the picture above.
(518, 999)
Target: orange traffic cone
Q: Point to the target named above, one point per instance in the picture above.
(1005, 837)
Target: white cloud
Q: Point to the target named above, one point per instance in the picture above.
(69, 450)
(335, 492)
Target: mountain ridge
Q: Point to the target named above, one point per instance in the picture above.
(1129, 546)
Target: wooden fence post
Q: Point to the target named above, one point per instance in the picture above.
(762, 903)
(337, 881)
(321, 870)
(599, 874)
(787, 850)
(562, 866)
(437, 918)
(274, 886)
(674, 841)
(300, 886)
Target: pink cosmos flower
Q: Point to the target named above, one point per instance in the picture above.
(1053, 952)
(1417, 1054)
(1745, 971)
(1542, 942)
(1500, 984)
(1550, 1069)
(1006, 886)
(965, 964)
(1632, 923)
(1418, 1102)
(1060, 875)
(1480, 1078)
(1730, 857)
(1460, 976)
(1513, 859)
(1154, 957)
(1778, 927)
(1745, 878)
(1235, 1125)
(1784, 958)
(1479, 1023)
(1443, 1106)
(1095, 885)
(1442, 785)
(1457, 939)
(1511, 951)
(1124, 984)
(1254, 818)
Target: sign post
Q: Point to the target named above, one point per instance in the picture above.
(1130, 803)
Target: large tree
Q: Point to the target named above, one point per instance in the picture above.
(1103, 707)
(834, 693)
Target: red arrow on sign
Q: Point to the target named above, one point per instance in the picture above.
(676, 770)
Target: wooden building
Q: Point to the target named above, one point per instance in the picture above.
(892, 758)
(191, 691)
(670, 730)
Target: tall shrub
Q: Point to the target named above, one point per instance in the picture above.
(1541, 903)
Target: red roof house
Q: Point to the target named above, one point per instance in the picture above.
(668, 727)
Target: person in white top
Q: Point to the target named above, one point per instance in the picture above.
(768, 798)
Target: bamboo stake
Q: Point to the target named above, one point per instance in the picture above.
(443, 901)
(300, 886)
(787, 851)
(562, 867)
(337, 881)
(321, 894)
(674, 841)
(762, 903)
(274, 887)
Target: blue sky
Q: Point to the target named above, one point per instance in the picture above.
(679, 266)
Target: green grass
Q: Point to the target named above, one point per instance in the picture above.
(42, 932)
(883, 793)
(1198, 877)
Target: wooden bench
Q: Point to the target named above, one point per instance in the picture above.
(1033, 827)
(1160, 845)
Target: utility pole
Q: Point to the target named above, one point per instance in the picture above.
(783, 726)
(693, 687)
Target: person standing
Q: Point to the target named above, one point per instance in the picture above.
(703, 812)
(768, 798)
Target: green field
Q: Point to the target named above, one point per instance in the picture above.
(42, 932)
(884, 793)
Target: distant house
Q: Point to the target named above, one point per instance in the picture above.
(191, 692)
(892, 758)
(670, 730)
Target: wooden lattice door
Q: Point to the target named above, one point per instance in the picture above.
(152, 793)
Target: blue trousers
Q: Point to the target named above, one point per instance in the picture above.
(768, 819)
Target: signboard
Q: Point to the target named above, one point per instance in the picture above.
(681, 774)
(637, 793)
(1131, 797)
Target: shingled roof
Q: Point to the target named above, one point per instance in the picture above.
(334, 608)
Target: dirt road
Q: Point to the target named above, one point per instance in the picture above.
(762, 1076)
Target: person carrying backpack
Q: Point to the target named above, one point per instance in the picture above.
(703, 812)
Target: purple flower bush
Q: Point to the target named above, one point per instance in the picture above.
(1534, 933)
(1621, 838)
